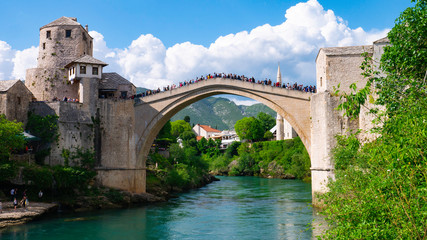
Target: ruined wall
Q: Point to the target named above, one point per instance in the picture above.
(76, 128)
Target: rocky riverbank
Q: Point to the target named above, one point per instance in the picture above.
(100, 198)
(10, 216)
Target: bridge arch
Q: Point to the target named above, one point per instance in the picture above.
(155, 110)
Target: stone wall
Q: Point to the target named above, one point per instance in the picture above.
(76, 128)
(326, 123)
(57, 51)
(14, 103)
(341, 66)
(48, 83)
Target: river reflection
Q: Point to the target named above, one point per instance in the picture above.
(233, 208)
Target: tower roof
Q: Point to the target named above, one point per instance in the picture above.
(87, 59)
(63, 21)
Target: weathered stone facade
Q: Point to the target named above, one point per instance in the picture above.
(61, 42)
(105, 126)
(340, 66)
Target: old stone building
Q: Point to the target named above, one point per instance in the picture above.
(14, 100)
(71, 83)
(340, 65)
(61, 42)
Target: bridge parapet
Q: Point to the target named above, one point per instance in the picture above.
(226, 83)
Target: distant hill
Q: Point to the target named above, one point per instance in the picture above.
(141, 90)
(220, 113)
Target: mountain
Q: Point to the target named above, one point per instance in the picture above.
(220, 113)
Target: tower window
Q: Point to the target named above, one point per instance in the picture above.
(94, 70)
(82, 69)
(67, 33)
(320, 81)
(47, 34)
(44, 46)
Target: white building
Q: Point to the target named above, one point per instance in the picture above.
(205, 131)
(227, 138)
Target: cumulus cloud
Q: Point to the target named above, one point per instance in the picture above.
(23, 60)
(243, 101)
(307, 26)
(6, 64)
(294, 43)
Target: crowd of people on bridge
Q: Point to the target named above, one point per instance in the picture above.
(295, 86)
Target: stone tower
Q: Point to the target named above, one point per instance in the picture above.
(279, 119)
(61, 42)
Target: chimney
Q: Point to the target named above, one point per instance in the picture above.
(87, 28)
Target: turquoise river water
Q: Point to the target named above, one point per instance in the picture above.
(233, 208)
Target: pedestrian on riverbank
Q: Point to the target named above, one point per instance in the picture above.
(40, 194)
(24, 201)
(12, 193)
(1, 207)
(15, 203)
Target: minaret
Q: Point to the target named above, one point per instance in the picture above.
(279, 119)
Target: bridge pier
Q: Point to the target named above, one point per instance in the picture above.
(132, 180)
(326, 123)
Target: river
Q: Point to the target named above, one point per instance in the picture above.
(233, 208)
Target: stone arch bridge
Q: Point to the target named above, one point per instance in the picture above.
(123, 163)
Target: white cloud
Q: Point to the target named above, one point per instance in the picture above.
(248, 102)
(23, 60)
(6, 64)
(294, 43)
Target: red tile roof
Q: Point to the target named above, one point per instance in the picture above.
(198, 138)
(209, 129)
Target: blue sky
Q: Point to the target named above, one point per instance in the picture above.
(176, 21)
(163, 42)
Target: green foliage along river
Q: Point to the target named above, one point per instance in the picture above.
(233, 208)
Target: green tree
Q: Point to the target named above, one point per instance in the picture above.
(268, 135)
(202, 145)
(188, 138)
(45, 127)
(380, 187)
(166, 131)
(10, 137)
(249, 128)
(187, 119)
(266, 120)
(178, 127)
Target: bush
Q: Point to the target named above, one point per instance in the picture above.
(7, 171)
